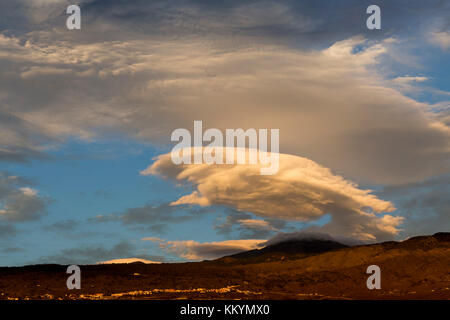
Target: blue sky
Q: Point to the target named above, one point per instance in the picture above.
(85, 180)
(84, 112)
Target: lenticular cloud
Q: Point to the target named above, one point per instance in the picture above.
(302, 190)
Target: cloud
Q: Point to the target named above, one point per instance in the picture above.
(256, 224)
(89, 255)
(379, 135)
(11, 250)
(156, 218)
(153, 239)
(302, 190)
(247, 226)
(442, 39)
(409, 79)
(93, 254)
(62, 226)
(7, 231)
(277, 20)
(193, 250)
(425, 205)
(18, 202)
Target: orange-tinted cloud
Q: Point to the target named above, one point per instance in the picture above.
(302, 190)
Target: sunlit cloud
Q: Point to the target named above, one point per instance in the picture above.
(302, 190)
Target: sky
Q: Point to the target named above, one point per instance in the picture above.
(86, 118)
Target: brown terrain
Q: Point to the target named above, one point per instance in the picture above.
(417, 268)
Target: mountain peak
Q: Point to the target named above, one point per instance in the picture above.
(289, 249)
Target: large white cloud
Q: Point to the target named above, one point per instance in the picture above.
(301, 190)
(331, 105)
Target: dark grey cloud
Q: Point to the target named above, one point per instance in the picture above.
(11, 250)
(230, 221)
(14, 154)
(94, 254)
(23, 16)
(70, 229)
(14, 17)
(7, 231)
(21, 139)
(304, 23)
(156, 218)
(425, 205)
(247, 226)
(63, 226)
(19, 202)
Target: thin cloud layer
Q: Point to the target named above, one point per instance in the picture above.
(7, 231)
(156, 218)
(247, 226)
(302, 190)
(425, 205)
(86, 254)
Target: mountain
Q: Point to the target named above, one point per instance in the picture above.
(289, 250)
(127, 261)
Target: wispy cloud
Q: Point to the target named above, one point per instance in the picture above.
(92, 254)
(156, 218)
(247, 226)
